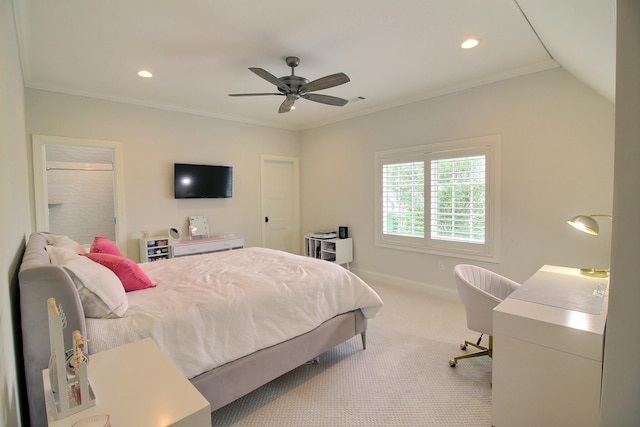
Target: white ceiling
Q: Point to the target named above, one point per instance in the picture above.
(395, 52)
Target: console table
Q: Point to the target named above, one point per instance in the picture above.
(548, 339)
(137, 385)
(201, 246)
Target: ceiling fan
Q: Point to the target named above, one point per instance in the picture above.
(296, 87)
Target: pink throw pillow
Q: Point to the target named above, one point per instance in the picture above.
(129, 273)
(102, 245)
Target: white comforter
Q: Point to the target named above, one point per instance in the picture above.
(210, 309)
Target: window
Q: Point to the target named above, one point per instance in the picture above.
(440, 198)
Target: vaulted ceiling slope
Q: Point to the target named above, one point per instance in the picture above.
(395, 52)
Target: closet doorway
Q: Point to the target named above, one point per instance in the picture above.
(78, 188)
(280, 203)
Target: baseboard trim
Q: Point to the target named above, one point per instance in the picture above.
(439, 291)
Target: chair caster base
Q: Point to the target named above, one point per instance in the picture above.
(484, 351)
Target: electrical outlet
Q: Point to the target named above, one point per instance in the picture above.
(441, 265)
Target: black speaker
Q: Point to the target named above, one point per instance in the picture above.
(343, 232)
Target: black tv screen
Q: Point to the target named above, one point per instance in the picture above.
(202, 181)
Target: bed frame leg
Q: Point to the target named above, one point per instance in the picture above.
(314, 361)
(364, 340)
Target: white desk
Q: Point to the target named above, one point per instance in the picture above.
(137, 385)
(547, 360)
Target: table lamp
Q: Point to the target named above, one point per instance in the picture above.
(589, 225)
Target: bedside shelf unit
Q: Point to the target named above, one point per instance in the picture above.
(163, 396)
(154, 249)
(339, 251)
(203, 246)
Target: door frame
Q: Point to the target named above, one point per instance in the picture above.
(295, 163)
(40, 191)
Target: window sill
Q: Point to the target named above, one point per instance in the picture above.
(441, 252)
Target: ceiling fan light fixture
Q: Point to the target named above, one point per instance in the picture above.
(469, 43)
(295, 87)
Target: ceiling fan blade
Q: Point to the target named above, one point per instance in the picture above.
(271, 78)
(325, 99)
(285, 107)
(255, 94)
(325, 82)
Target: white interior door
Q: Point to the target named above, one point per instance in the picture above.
(280, 203)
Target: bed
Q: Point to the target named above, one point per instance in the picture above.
(231, 321)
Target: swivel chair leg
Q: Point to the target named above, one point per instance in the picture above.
(484, 351)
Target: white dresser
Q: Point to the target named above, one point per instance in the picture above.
(548, 340)
(201, 246)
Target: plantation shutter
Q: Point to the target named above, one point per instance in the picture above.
(403, 199)
(458, 199)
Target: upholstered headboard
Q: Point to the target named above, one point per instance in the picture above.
(39, 281)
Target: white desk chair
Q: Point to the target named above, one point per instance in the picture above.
(480, 290)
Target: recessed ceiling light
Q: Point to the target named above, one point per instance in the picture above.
(145, 73)
(469, 43)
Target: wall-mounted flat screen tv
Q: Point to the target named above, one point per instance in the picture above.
(202, 181)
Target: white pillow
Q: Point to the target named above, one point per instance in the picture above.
(62, 241)
(101, 292)
(60, 255)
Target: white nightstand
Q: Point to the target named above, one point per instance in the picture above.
(137, 385)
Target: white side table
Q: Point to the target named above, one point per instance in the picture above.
(137, 385)
(339, 251)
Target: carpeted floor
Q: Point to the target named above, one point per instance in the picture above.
(402, 379)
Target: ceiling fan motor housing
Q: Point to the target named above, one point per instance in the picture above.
(294, 83)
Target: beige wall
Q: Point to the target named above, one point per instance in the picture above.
(14, 209)
(153, 141)
(557, 161)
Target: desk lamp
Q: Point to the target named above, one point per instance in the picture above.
(587, 224)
